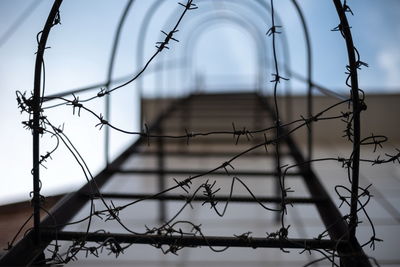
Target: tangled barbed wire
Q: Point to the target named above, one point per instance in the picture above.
(177, 230)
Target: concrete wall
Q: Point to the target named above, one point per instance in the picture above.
(380, 118)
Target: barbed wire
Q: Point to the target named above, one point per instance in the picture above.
(174, 227)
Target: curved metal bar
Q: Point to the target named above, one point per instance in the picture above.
(143, 35)
(50, 22)
(309, 78)
(140, 48)
(252, 29)
(206, 22)
(320, 88)
(352, 254)
(143, 32)
(79, 90)
(176, 64)
(109, 77)
(148, 17)
(84, 89)
(236, 14)
(357, 107)
(263, 4)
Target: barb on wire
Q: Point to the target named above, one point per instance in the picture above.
(168, 36)
(102, 122)
(76, 105)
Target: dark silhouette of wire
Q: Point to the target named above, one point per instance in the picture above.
(352, 195)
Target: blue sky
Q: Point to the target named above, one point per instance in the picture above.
(225, 53)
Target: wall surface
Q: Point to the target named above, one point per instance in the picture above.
(380, 118)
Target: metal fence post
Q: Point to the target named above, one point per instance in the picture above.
(37, 109)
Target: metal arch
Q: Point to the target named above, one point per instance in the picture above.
(143, 30)
(238, 21)
(256, 10)
(286, 55)
(143, 34)
(148, 17)
(284, 42)
(109, 77)
(263, 4)
(309, 77)
(261, 56)
(206, 23)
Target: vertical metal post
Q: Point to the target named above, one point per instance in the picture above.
(109, 77)
(256, 116)
(36, 160)
(140, 51)
(161, 174)
(142, 110)
(184, 121)
(288, 100)
(277, 183)
(345, 29)
(107, 130)
(199, 83)
(351, 254)
(36, 118)
(309, 78)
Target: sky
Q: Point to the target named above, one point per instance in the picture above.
(225, 53)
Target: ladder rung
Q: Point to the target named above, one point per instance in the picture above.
(298, 200)
(209, 154)
(198, 240)
(230, 173)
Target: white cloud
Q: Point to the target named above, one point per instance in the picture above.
(389, 61)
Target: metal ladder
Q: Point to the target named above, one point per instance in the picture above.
(201, 113)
